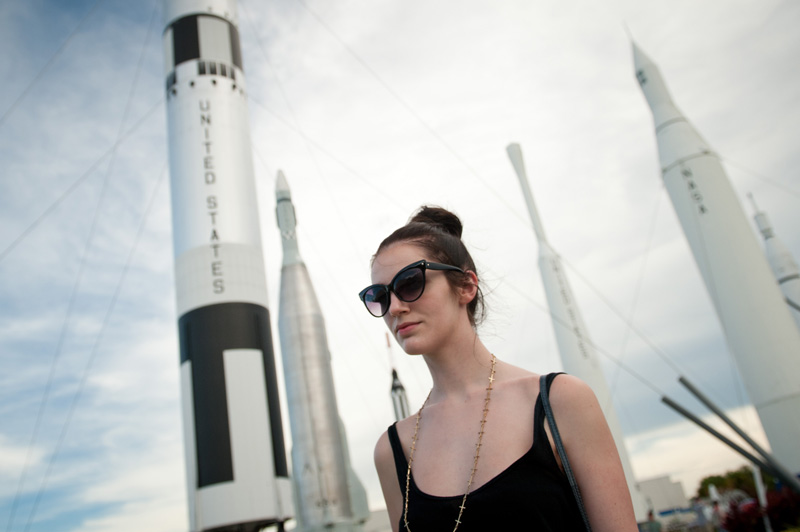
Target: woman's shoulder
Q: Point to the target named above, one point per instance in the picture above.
(402, 430)
(576, 407)
(565, 389)
(383, 448)
(568, 390)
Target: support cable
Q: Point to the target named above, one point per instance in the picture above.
(411, 111)
(763, 178)
(56, 357)
(76, 285)
(635, 301)
(47, 65)
(93, 354)
(75, 184)
(308, 142)
(322, 149)
(296, 122)
(599, 349)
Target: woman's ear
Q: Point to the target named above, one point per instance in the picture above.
(469, 289)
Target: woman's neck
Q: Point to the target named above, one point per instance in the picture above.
(460, 370)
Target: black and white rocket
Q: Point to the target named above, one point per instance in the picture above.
(236, 467)
(328, 495)
(761, 335)
(398, 391)
(783, 265)
(577, 351)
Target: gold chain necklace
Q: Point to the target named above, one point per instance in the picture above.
(477, 450)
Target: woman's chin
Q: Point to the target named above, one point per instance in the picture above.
(411, 348)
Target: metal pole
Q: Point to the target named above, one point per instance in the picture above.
(727, 441)
(790, 479)
(762, 497)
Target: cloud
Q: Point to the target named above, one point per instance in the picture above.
(663, 451)
(555, 77)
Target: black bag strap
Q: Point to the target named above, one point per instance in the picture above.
(551, 420)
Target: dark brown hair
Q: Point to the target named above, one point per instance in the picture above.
(438, 232)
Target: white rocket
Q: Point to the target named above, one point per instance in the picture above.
(236, 467)
(328, 495)
(577, 351)
(761, 335)
(783, 265)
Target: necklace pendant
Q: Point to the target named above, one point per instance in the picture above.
(477, 451)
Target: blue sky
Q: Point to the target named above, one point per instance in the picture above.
(370, 109)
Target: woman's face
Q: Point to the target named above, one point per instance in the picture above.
(425, 325)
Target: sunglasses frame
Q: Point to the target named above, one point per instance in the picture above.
(420, 264)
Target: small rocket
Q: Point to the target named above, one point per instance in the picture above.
(760, 331)
(236, 467)
(399, 397)
(783, 265)
(577, 351)
(328, 495)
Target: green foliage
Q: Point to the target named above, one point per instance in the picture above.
(741, 479)
(702, 490)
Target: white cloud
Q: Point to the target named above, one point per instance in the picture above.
(688, 454)
(555, 77)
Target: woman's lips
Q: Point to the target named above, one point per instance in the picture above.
(405, 328)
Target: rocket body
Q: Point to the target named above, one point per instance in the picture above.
(237, 474)
(783, 265)
(577, 351)
(399, 398)
(328, 495)
(761, 334)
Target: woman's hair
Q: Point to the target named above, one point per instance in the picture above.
(438, 232)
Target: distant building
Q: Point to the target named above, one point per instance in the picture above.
(378, 521)
(662, 494)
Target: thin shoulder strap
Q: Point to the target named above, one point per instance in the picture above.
(400, 462)
(551, 420)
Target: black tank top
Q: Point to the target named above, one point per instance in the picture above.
(531, 494)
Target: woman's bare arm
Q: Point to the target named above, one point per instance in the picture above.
(592, 455)
(384, 463)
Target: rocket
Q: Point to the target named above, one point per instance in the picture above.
(236, 468)
(760, 332)
(577, 351)
(398, 391)
(328, 495)
(399, 398)
(783, 265)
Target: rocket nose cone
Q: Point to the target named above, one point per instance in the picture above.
(648, 75)
(282, 186)
(514, 152)
(640, 59)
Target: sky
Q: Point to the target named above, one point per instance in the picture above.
(371, 109)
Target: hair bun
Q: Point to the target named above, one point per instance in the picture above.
(440, 218)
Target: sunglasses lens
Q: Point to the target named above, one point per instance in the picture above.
(409, 284)
(376, 298)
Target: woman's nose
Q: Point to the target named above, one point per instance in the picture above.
(396, 305)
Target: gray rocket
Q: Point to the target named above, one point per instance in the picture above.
(236, 468)
(761, 334)
(328, 496)
(783, 265)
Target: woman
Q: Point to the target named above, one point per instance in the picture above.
(478, 454)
